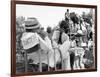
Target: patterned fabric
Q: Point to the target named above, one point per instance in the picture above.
(44, 48)
(29, 40)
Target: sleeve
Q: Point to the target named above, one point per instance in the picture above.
(45, 44)
(48, 42)
(55, 38)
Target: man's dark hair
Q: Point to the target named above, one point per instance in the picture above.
(67, 10)
(49, 29)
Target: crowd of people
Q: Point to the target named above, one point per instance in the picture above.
(68, 46)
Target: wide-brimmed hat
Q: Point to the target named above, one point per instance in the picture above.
(32, 23)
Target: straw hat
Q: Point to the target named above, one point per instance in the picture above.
(32, 23)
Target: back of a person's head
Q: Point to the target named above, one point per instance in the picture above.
(64, 25)
(49, 30)
(67, 10)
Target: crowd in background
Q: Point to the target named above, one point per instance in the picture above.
(79, 29)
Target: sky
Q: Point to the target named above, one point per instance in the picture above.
(46, 15)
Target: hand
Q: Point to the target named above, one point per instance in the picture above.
(42, 34)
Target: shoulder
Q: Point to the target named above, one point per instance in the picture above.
(26, 35)
(64, 35)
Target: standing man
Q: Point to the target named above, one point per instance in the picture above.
(67, 15)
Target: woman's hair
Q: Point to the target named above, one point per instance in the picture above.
(65, 26)
(32, 30)
(29, 30)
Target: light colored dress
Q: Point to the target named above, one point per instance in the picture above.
(64, 47)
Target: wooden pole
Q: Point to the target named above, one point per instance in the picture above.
(55, 59)
(26, 67)
(48, 61)
(40, 63)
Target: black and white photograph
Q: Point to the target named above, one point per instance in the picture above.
(54, 38)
